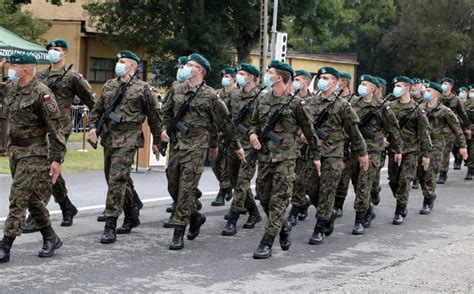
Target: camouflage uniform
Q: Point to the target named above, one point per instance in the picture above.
(186, 155)
(276, 170)
(3, 129)
(439, 119)
(33, 113)
(469, 108)
(123, 139)
(73, 84)
(416, 142)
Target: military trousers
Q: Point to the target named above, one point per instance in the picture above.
(400, 177)
(30, 189)
(346, 176)
(220, 168)
(59, 188)
(376, 181)
(241, 175)
(470, 159)
(449, 148)
(363, 180)
(298, 198)
(428, 178)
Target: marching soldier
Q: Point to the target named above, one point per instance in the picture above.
(469, 107)
(377, 122)
(124, 137)
(439, 117)
(463, 94)
(36, 150)
(415, 90)
(220, 164)
(333, 118)
(241, 106)
(186, 153)
(452, 101)
(416, 143)
(276, 168)
(65, 83)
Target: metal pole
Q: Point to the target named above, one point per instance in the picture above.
(263, 36)
(274, 27)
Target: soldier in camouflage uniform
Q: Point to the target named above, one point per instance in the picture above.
(3, 130)
(417, 96)
(220, 164)
(439, 116)
(452, 101)
(241, 173)
(185, 163)
(382, 123)
(122, 141)
(341, 120)
(416, 143)
(35, 160)
(65, 89)
(299, 202)
(469, 108)
(276, 169)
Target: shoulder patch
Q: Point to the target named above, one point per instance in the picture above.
(52, 107)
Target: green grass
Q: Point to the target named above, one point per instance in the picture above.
(76, 137)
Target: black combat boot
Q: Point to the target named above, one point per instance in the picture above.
(415, 185)
(470, 173)
(293, 215)
(230, 228)
(5, 246)
(254, 216)
(51, 242)
(177, 243)
(109, 236)
(457, 163)
(264, 249)
(168, 224)
(226, 215)
(130, 220)
(285, 241)
(375, 197)
(369, 216)
(219, 201)
(359, 223)
(69, 211)
(303, 210)
(443, 176)
(400, 213)
(171, 208)
(227, 194)
(329, 228)
(428, 204)
(197, 220)
(338, 205)
(137, 200)
(30, 226)
(101, 217)
(318, 237)
(198, 194)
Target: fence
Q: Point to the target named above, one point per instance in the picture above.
(78, 113)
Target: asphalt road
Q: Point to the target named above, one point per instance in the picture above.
(428, 253)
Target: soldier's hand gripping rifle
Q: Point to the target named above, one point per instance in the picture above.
(176, 123)
(109, 114)
(363, 125)
(268, 133)
(54, 84)
(322, 117)
(244, 112)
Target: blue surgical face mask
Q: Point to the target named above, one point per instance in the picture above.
(226, 82)
(12, 75)
(462, 95)
(337, 88)
(323, 85)
(184, 73)
(444, 87)
(120, 69)
(297, 85)
(240, 80)
(427, 96)
(471, 95)
(362, 90)
(414, 93)
(423, 89)
(54, 56)
(398, 92)
(267, 80)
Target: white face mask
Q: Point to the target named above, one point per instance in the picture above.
(54, 56)
(120, 69)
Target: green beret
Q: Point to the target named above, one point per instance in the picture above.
(128, 54)
(181, 61)
(22, 58)
(425, 81)
(382, 82)
(403, 79)
(436, 87)
(201, 60)
(250, 68)
(371, 79)
(304, 73)
(328, 70)
(57, 43)
(447, 79)
(463, 89)
(345, 75)
(471, 86)
(281, 66)
(228, 71)
(416, 81)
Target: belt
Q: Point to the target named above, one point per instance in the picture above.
(24, 142)
(126, 127)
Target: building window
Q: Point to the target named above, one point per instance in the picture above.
(101, 70)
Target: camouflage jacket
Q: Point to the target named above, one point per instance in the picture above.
(294, 117)
(225, 96)
(417, 99)
(205, 111)
(73, 84)
(415, 134)
(383, 124)
(452, 101)
(342, 121)
(440, 118)
(137, 104)
(469, 108)
(33, 114)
